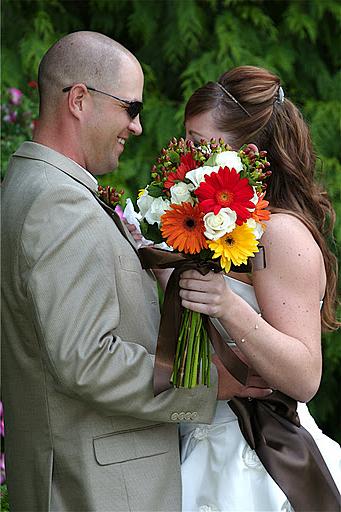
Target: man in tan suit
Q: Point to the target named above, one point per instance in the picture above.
(84, 431)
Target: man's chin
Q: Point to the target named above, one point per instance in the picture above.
(100, 171)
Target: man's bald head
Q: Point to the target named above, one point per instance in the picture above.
(81, 57)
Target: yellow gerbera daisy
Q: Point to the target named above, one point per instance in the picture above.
(235, 247)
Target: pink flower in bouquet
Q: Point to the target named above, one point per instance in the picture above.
(15, 95)
(119, 211)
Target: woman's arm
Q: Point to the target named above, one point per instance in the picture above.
(283, 345)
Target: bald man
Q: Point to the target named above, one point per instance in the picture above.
(84, 431)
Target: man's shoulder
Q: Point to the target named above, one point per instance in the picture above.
(34, 166)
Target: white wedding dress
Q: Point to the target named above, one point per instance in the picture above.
(220, 472)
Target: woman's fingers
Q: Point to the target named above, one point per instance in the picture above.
(211, 310)
(198, 296)
(203, 294)
(193, 284)
(193, 280)
(133, 231)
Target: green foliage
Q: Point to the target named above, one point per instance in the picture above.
(181, 45)
(4, 499)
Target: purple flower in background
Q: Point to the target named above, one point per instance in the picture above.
(2, 468)
(16, 95)
(11, 117)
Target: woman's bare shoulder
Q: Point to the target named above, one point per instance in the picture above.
(288, 230)
(290, 246)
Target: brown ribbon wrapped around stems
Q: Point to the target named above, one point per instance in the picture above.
(270, 426)
(151, 257)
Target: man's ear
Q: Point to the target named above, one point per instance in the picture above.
(78, 99)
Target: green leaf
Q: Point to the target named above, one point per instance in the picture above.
(151, 232)
(155, 190)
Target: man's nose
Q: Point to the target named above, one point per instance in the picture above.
(135, 126)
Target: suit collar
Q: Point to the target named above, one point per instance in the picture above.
(43, 153)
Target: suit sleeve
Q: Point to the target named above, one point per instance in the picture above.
(71, 288)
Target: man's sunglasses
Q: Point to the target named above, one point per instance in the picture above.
(133, 108)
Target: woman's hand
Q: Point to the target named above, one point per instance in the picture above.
(209, 294)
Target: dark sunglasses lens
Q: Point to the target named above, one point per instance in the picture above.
(134, 109)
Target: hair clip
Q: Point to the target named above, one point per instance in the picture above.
(233, 98)
(280, 95)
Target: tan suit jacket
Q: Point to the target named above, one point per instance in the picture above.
(80, 319)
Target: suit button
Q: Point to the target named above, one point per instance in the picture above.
(174, 416)
(194, 415)
(181, 416)
(188, 416)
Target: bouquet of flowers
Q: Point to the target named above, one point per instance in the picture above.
(206, 202)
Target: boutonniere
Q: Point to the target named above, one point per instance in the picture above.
(110, 195)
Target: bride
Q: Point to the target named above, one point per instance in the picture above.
(295, 293)
(272, 317)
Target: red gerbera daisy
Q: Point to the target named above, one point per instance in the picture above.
(183, 228)
(187, 163)
(226, 189)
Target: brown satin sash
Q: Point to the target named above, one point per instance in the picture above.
(287, 451)
(272, 428)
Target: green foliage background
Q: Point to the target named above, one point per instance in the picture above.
(181, 44)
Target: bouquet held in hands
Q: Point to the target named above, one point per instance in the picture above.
(207, 203)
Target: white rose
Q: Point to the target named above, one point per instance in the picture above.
(181, 193)
(228, 159)
(144, 202)
(156, 210)
(196, 176)
(256, 228)
(217, 226)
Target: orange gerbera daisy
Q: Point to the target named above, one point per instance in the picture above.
(226, 189)
(183, 228)
(259, 212)
(187, 163)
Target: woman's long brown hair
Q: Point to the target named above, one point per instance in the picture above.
(278, 127)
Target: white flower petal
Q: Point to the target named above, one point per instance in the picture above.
(196, 176)
(218, 225)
